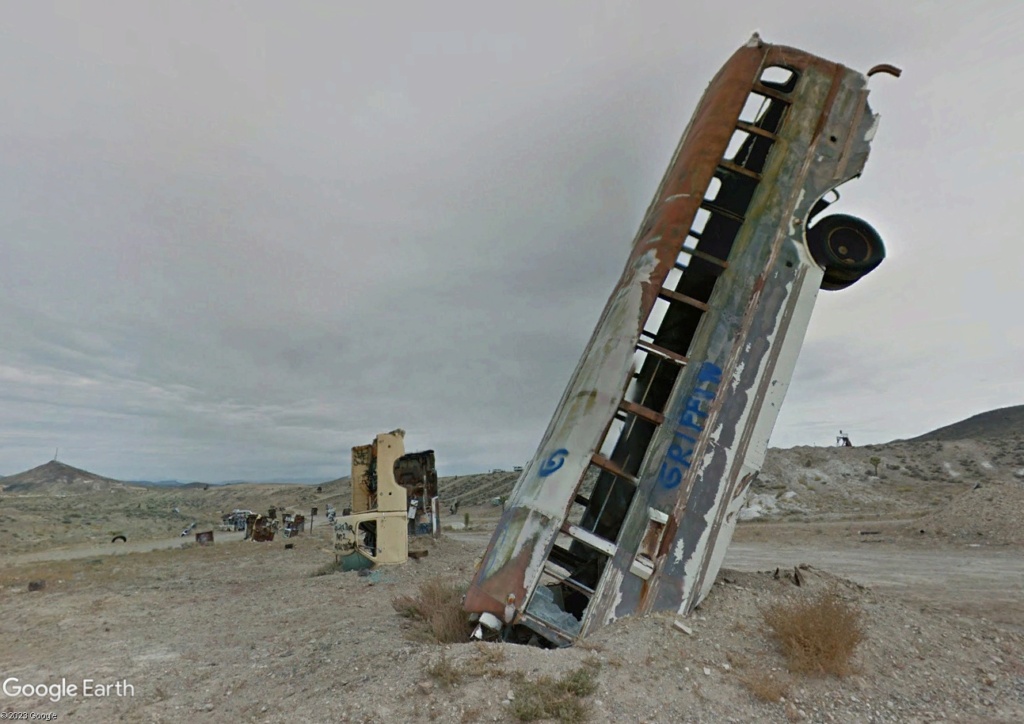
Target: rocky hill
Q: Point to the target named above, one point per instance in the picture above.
(900, 479)
(965, 484)
(57, 478)
(1006, 422)
(477, 489)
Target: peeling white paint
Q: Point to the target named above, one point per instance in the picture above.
(677, 551)
(613, 580)
(737, 375)
(869, 135)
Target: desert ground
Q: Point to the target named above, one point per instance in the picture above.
(919, 541)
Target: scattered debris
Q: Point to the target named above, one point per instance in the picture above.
(235, 520)
(293, 524)
(683, 627)
(36, 585)
(205, 538)
(260, 528)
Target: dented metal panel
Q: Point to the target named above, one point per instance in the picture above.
(674, 399)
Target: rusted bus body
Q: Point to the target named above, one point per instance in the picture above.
(260, 528)
(675, 397)
(417, 473)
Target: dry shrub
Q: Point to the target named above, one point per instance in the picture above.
(561, 699)
(438, 606)
(765, 685)
(484, 663)
(487, 661)
(326, 569)
(817, 636)
(445, 673)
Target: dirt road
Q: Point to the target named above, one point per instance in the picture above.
(975, 580)
(982, 580)
(106, 549)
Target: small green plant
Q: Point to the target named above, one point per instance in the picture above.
(560, 699)
(465, 520)
(817, 636)
(876, 462)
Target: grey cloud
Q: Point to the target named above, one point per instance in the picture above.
(237, 241)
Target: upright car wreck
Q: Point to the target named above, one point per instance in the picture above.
(394, 496)
(672, 403)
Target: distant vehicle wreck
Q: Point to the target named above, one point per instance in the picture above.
(674, 399)
(394, 496)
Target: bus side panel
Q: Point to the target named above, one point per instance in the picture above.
(696, 466)
(544, 492)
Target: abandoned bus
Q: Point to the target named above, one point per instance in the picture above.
(631, 499)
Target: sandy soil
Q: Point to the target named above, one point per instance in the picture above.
(242, 631)
(70, 553)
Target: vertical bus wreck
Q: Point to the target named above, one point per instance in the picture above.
(632, 498)
(394, 497)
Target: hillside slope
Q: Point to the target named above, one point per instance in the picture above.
(1001, 423)
(57, 478)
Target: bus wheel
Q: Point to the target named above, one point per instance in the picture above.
(847, 247)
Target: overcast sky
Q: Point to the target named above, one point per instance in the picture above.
(238, 238)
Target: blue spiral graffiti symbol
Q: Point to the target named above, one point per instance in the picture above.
(554, 461)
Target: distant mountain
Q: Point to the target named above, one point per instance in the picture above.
(1004, 422)
(55, 477)
(60, 478)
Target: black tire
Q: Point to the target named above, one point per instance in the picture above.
(117, 538)
(847, 248)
